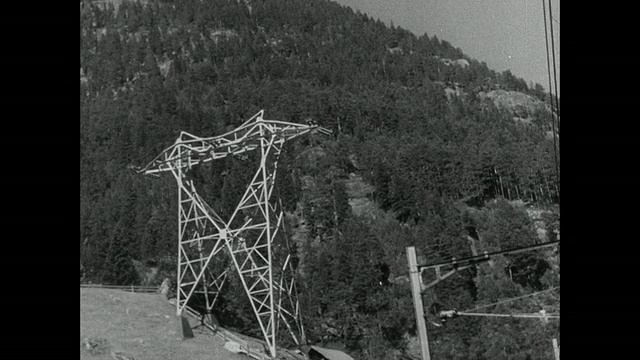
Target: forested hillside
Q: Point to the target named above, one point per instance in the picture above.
(455, 154)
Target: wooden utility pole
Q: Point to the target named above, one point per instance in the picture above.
(556, 349)
(414, 275)
(417, 288)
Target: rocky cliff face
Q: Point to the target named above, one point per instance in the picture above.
(521, 105)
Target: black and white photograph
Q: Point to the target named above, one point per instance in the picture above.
(320, 179)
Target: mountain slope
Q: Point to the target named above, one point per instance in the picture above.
(415, 144)
(142, 326)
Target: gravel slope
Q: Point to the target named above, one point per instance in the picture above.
(141, 326)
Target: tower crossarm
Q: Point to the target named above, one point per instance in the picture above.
(192, 150)
(254, 248)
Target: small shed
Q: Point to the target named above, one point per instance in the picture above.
(318, 353)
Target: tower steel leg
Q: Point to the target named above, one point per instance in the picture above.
(256, 248)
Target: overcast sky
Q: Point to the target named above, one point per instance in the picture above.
(506, 34)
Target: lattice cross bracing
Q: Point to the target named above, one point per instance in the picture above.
(205, 238)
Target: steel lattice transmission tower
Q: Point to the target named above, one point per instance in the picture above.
(205, 238)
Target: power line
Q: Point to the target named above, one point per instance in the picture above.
(513, 299)
(443, 253)
(553, 119)
(555, 72)
(555, 81)
(553, 52)
(486, 256)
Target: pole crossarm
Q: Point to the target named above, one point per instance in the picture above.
(534, 316)
(465, 263)
(194, 150)
(439, 278)
(256, 248)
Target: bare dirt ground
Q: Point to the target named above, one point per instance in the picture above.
(141, 326)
